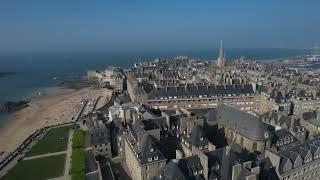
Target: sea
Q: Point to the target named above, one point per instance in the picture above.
(36, 71)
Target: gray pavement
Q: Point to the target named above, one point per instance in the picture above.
(44, 155)
(69, 153)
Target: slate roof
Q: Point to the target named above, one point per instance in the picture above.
(311, 117)
(149, 149)
(279, 118)
(277, 96)
(90, 162)
(306, 150)
(121, 99)
(197, 137)
(244, 123)
(149, 124)
(304, 94)
(200, 90)
(100, 135)
(284, 138)
(190, 165)
(170, 172)
(220, 162)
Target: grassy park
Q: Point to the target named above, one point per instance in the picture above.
(38, 169)
(78, 139)
(78, 156)
(77, 160)
(54, 141)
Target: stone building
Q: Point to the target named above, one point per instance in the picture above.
(195, 141)
(304, 101)
(100, 140)
(297, 162)
(126, 112)
(135, 90)
(203, 96)
(275, 100)
(110, 77)
(240, 127)
(219, 164)
(279, 121)
(143, 157)
(311, 121)
(282, 139)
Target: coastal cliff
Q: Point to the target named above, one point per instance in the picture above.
(8, 107)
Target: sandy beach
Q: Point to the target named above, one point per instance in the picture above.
(55, 106)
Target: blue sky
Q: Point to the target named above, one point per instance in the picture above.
(106, 25)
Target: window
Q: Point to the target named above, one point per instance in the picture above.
(156, 158)
(149, 159)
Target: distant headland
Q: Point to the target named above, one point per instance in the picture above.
(4, 74)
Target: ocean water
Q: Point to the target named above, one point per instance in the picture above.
(35, 71)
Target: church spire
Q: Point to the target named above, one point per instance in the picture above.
(221, 59)
(221, 54)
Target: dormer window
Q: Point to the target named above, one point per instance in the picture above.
(149, 159)
(151, 150)
(308, 160)
(156, 158)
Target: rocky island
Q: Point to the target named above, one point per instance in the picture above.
(9, 106)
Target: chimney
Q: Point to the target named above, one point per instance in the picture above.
(167, 118)
(254, 87)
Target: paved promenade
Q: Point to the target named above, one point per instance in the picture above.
(44, 155)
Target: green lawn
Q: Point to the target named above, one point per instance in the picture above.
(78, 176)
(78, 139)
(54, 141)
(77, 161)
(38, 169)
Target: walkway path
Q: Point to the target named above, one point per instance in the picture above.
(44, 155)
(69, 153)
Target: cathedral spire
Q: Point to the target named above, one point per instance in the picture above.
(221, 54)
(221, 59)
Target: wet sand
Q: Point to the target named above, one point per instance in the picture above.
(55, 106)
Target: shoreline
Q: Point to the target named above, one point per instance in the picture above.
(55, 106)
